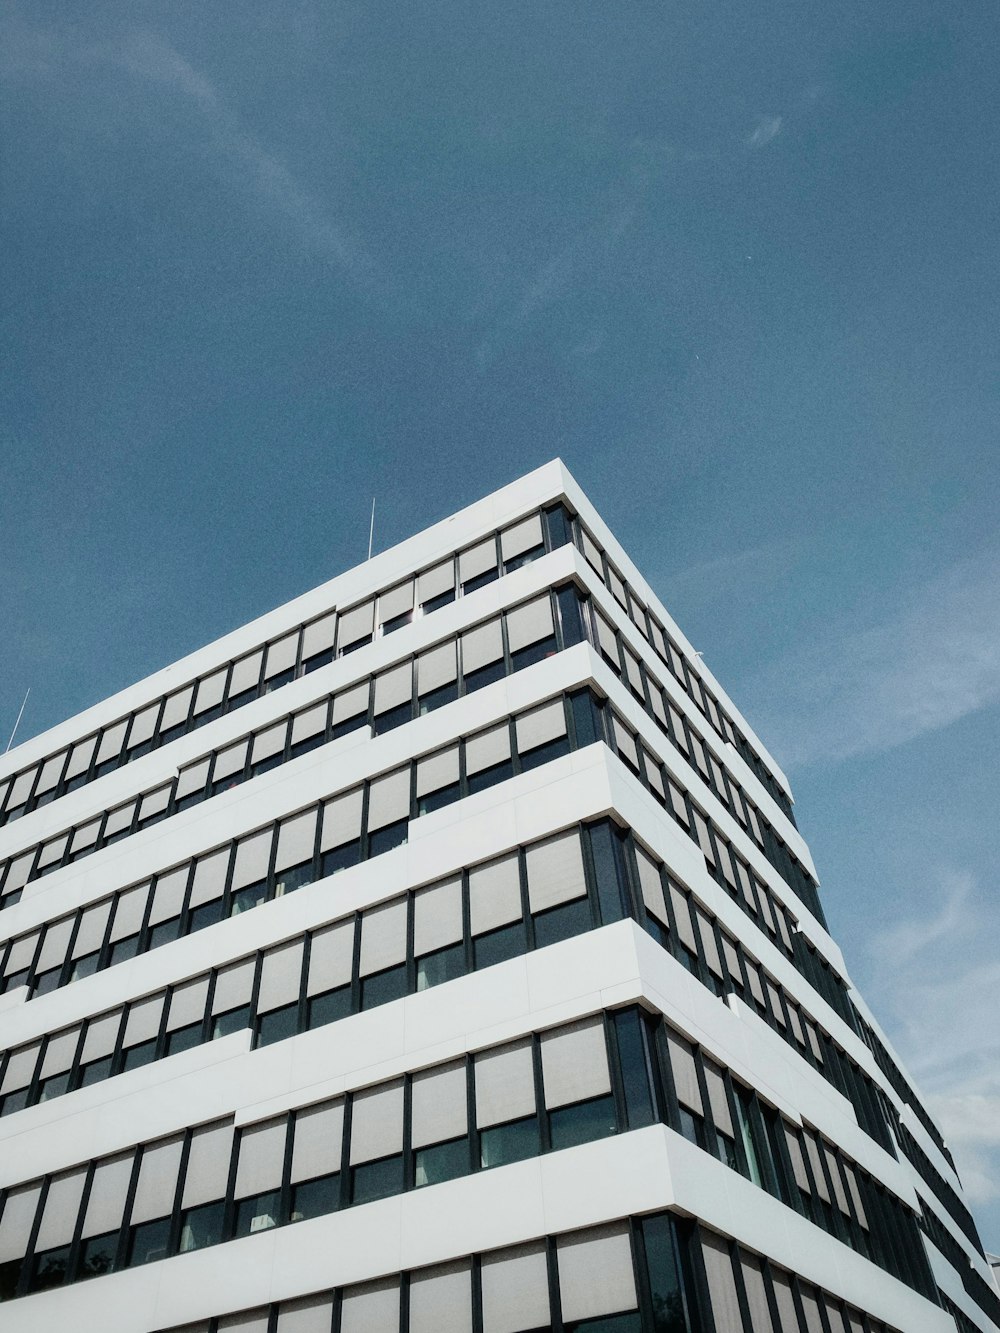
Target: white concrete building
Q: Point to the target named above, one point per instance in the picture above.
(439, 952)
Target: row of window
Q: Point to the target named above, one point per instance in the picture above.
(657, 704)
(957, 1210)
(599, 1076)
(899, 1083)
(80, 943)
(680, 667)
(314, 645)
(416, 686)
(274, 861)
(481, 655)
(723, 862)
(531, 897)
(976, 1288)
(685, 1279)
(330, 836)
(295, 653)
(720, 961)
(223, 883)
(749, 1294)
(552, 890)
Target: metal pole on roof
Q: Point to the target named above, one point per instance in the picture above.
(371, 529)
(18, 722)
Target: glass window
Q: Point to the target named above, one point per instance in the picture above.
(201, 1226)
(512, 1142)
(314, 1198)
(443, 965)
(259, 1213)
(148, 1242)
(496, 946)
(278, 1024)
(570, 1125)
(97, 1255)
(377, 1180)
(328, 1007)
(442, 1161)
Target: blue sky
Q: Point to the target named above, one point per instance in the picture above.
(736, 266)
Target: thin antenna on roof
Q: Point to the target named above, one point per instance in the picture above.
(371, 529)
(18, 722)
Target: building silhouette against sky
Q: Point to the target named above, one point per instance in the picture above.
(439, 952)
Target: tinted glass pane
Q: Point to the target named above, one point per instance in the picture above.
(609, 1323)
(557, 523)
(296, 878)
(316, 661)
(392, 718)
(377, 1180)
(10, 1276)
(480, 581)
(97, 1255)
(278, 1024)
(438, 698)
(184, 1038)
(608, 872)
(544, 754)
(329, 1007)
(206, 915)
(14, 1101)
(397, 622)
(436, 800)
(313, 1198)
(634, 1069)
(535, 652)
(246, 898)
(94, 1072)
(233, 1021)
(435, 603)
(571, 1125)
(85, 967)
(499, 945)
(351, 724)
(50, 1269)
(570, 616)
(127, 948)
(149, 1241)
(476, 680)
(383, 987)
(512, 1142)
(257, 1214)
(201, 1226)
(444, 965)
(304, 747)
(585, 719)
(53, 1087)
(164, 932)
(666, 1292)
(341, 857)
(444, 1161)
(561, 923)
(393, 835)
(136, 1056)
(489, 777)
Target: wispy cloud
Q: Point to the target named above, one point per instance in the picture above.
(551, 280)
(935, 996)
(148, 57)
(151, 61)
(730, 576)
(847, 691)
(766, 129)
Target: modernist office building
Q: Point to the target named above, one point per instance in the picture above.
(439, 952)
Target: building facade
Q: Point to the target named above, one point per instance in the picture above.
(439, 952)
